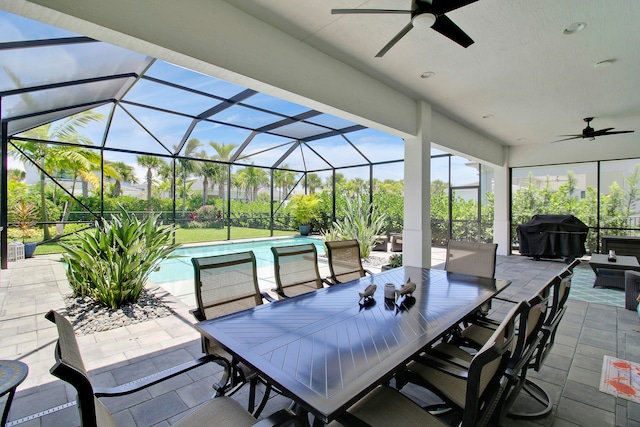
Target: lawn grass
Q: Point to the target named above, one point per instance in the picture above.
(187, 235)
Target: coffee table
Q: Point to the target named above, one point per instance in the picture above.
(611, 274)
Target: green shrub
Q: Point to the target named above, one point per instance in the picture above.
(362, 222)
(113, 261)
(395, 260)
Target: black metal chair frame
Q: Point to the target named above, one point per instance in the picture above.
(70, 368)
(555, 312)
(236, 374)
(479, 404)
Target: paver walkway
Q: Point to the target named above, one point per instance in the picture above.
(28, 289)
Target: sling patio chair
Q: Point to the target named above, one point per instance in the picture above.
(556, 298)
(474, 259)
(528, 337)
(70, 368)
(473, 384)
(296, 270)
(227, 284)
(470, 383)
(344, 261)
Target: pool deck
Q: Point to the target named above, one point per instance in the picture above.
(29, 288)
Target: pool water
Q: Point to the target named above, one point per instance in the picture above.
(181, 268)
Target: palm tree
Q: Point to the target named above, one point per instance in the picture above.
(187, 167)
(223, 154)
(46, 157)
(313, 182)
(16, 175)
(152, 164)
(252, 179)
(284, 179)
(209, 171)
(166, 173)
(125, 173)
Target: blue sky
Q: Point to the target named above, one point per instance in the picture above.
(169, 129)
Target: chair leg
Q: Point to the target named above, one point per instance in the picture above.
(252, 393)
(540, 396)
(263, 402)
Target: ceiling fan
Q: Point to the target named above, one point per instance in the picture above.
(590, 133)
(424, 14)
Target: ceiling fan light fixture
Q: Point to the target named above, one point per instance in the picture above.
(423, 20)
(574, 28)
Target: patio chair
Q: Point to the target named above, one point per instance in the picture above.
(227, 284)
(553, 315)
(528, 336)
(344, 261)
(70, 368)
(568, 270)
(469, 383)
(396, 242)
(474, 259)
(296, 270)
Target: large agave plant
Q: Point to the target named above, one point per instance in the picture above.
(113, 262)
(363, 222)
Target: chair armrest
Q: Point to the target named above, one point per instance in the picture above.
(506, 299)
(267, 296)
(329, 281)
(150, 380)
(443, 366)
(279, 292)
(368, 272)
(280, 418)
(197, 313)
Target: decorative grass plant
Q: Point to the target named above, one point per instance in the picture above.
(113, 262)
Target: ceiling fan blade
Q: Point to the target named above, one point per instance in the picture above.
(449, 29)
(354, 11)
(601, 131)
(395, 40)
(567, 139)
(614, 133)
(443, 6)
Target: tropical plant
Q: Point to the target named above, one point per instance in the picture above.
(210, 173)
(395, 260)
(125, 173)
(47, 158)
(113, 261)
(223, 154)
(24, 214)
(363, 222)
(188, 167)
(152, 163)
(303, 208)
(252, 179)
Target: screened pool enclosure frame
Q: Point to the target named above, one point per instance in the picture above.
(125, 85)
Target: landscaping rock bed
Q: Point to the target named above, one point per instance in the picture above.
(88, 316)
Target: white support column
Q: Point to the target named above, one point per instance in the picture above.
(416, 246)
(501, 220)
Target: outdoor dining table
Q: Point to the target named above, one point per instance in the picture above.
(326, 349)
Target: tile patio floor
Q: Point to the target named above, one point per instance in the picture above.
(29, 288)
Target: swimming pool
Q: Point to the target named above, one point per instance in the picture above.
(180, 268)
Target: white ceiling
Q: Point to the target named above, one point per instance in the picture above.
(532, 81)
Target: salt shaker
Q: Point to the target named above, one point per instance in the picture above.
(389, 291)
